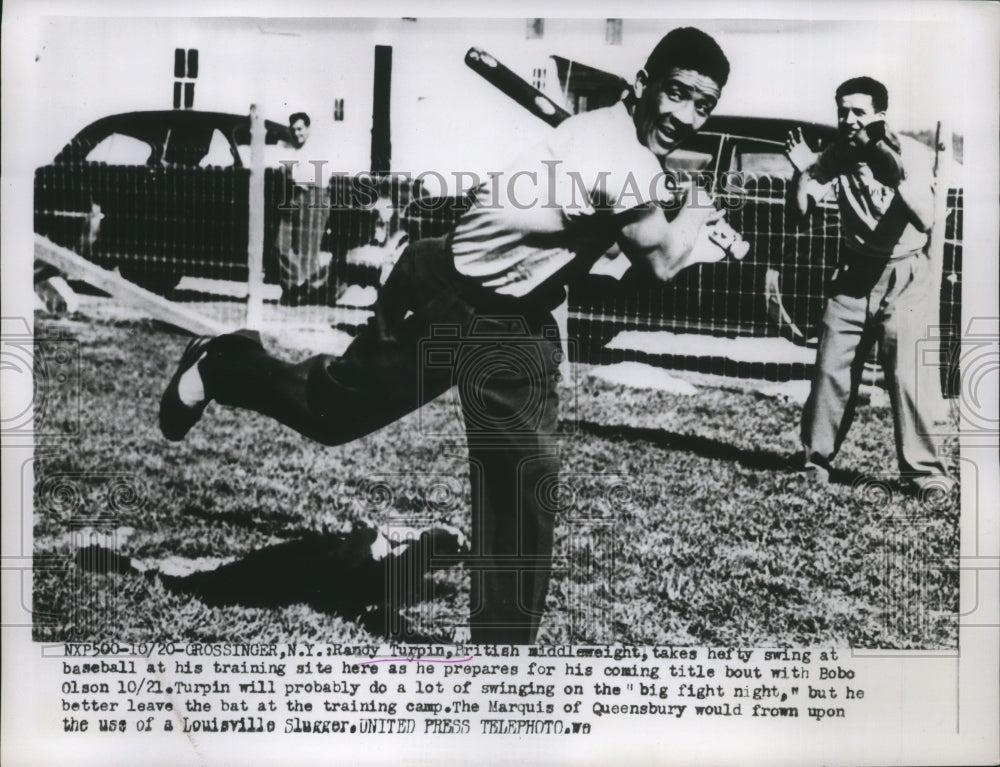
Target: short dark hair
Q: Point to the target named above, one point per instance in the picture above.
(296, 116)
(869, 86)
(688, 48)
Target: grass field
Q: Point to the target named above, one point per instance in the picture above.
(682, 523)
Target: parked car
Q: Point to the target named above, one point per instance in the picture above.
(159, 195)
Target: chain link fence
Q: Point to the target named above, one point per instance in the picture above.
(165, 202)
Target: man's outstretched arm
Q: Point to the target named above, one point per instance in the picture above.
(663, 247)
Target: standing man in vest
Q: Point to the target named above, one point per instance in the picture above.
(883, 290)
(474, 311)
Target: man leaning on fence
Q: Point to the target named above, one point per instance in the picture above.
(884, 288)
(302, 272)
(473, 310)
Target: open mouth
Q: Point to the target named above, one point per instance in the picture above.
(667, 135)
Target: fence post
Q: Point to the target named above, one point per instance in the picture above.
(255, 224)
(561, 315)
(942, 165)
(943, 160)
(943, 143)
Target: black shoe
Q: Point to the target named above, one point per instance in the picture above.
(313, 292)
(810, 470)
(176, 418)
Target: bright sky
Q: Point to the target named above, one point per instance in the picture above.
(86, 68)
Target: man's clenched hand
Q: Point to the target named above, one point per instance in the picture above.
(881, 150)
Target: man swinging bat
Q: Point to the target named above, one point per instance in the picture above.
(473, 310)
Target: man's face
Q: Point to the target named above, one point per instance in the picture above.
(672, 108)
(300, 131)
(855, 111)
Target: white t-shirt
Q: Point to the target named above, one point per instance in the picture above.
(303, 162)
(872, 221)
(557, 203)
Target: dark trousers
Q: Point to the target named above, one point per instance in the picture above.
(431, 330)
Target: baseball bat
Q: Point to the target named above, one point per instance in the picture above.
(720, 235)
(515, 86)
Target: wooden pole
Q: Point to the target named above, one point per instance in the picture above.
(125, 292)
(942, 164)
(255, 222)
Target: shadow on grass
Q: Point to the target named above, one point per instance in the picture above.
(358, 576)
(763, 460)
(692, 443)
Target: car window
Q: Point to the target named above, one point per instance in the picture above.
(219, 154)
(769, 163)
(272, 137)
(276, 146)
(187, 145)
(762, 158)
(119, 149)
(687, 159)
